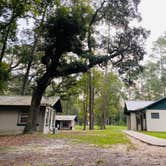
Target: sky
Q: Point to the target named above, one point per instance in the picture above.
(153, 14)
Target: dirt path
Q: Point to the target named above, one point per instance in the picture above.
(40, 151)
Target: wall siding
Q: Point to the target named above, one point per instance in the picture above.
(156, 124)
(9, 120)
(8, 123)
(133, 121)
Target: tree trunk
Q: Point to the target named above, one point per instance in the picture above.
(38, 92)
(104, 101)
(36, 38)
(4, 44)
(25, 80)
(91, 101)
(67, 107)
(85, 114)
(26, 76)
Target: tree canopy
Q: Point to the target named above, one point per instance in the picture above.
(69, 37)
(67, 31)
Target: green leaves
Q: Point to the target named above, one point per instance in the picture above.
(66, 29)
(4, 76)
(108, 97)
(23, 53)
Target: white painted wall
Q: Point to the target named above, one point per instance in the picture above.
(73, 124)
(8, 122)
(48, 128)
(133, 121)
(46, 125)
(156, 124)
(144, 124)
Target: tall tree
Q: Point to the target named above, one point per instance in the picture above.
(10, 12)
(83, 88)
(110, 87)
(39, 10)
(4, 76)
(65, 33)
(159, 53)
(151, 82)
(105, 99)
(91, 100)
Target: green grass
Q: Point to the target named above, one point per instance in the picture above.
(6, 149)
(155, 134)
(104, 138)
(78, 127)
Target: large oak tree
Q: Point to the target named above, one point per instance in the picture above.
(73, 41)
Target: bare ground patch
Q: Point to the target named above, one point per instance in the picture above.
(36, 150)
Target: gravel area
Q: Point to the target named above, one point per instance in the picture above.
(35, 150)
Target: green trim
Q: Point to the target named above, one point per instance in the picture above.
(159, 105)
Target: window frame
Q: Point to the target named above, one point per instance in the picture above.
(22, 114)
(47, 119)
(155, 115)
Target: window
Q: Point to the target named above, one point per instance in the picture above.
(47, 116)
(155, 115)
(23, 118)
(53, 120)
(50, 118)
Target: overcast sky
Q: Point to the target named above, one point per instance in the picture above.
(153, 18)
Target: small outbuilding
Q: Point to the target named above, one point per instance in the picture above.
(14, 114)
(65, 122)
(146, 115)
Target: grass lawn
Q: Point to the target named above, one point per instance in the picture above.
(155, 134)
(104, 138)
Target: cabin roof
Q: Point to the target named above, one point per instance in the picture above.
(25, 101)
(65, 117)
(141, 105)
(137, 105)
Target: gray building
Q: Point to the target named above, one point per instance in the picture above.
(146, 115)
(14, 114)
(65, 122)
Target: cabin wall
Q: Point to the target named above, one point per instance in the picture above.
(133, 121)
(9, 120)
(128, 122)
(156, 124)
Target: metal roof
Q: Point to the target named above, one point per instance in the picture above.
(24, 101)
(65, 117)
(137, 105)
